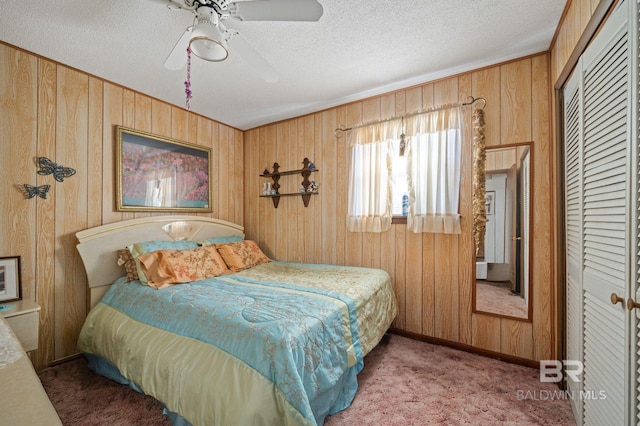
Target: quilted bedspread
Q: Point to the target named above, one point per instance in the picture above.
(279, 343)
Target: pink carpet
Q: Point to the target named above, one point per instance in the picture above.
(404, 382)
(496, 297)
(407, 382)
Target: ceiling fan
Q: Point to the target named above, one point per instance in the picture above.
(209, 39)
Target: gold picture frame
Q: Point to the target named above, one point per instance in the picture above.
(159, 174)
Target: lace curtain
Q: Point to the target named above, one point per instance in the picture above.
(370, 177)
(434, 171)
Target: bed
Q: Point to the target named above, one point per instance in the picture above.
(268, 343)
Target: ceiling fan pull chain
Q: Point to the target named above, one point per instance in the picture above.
(187, 84)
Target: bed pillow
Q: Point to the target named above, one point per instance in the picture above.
(139, 249)
(242, 255)
(164, 268)
(126, 259)
(221, 240)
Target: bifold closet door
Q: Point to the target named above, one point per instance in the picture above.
(572, 95)
(598, 216)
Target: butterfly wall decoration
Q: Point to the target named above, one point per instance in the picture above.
(48, 167)
(31, 191)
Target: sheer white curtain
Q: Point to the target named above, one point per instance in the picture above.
(434, 171)
(370, 177)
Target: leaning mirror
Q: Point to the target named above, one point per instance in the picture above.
(503, 257)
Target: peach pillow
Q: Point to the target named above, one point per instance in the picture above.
(168, 267)
(242, 255)
(139, 249)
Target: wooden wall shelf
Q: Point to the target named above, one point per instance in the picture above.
(305, 171)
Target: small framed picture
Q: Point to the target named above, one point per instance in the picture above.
(489, 199)
(10, 285)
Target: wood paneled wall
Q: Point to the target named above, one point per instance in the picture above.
(432, 273)
(51, 110)
(574, 21)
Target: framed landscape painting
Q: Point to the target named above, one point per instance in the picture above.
(154, 173)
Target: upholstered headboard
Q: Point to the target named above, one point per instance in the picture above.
(98, 246)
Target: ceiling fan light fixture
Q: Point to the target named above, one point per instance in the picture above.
(208, 43)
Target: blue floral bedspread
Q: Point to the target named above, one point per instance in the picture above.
(278, 343)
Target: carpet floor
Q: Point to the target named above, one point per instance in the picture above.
(496, 297)
(404, 382)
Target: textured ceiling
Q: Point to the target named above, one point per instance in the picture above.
(359, 48)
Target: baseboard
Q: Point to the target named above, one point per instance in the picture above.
(65, 359)
(467, 348)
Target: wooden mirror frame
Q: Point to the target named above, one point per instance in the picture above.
(529, 315)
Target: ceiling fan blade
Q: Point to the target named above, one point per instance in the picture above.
(276, 10)
(178, 56)
(239, 44)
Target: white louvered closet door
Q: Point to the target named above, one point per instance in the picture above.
(606, 208)
(634, 375)
(573, 227)
(598, 225)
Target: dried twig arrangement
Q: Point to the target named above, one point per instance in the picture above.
(479, 178)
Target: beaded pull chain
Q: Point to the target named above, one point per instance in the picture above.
(187, 84)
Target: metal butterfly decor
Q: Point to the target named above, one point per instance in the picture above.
(48, 167)
(31, 191)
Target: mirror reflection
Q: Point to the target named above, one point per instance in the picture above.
(503, 286)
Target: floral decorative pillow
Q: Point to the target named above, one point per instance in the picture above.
(126, 259)
(242, 255)
(139, 249)
(221, 240)
(167, 267)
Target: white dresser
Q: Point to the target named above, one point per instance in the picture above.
(24, 319)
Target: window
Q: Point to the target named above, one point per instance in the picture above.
(429, 174)
(399, 179)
